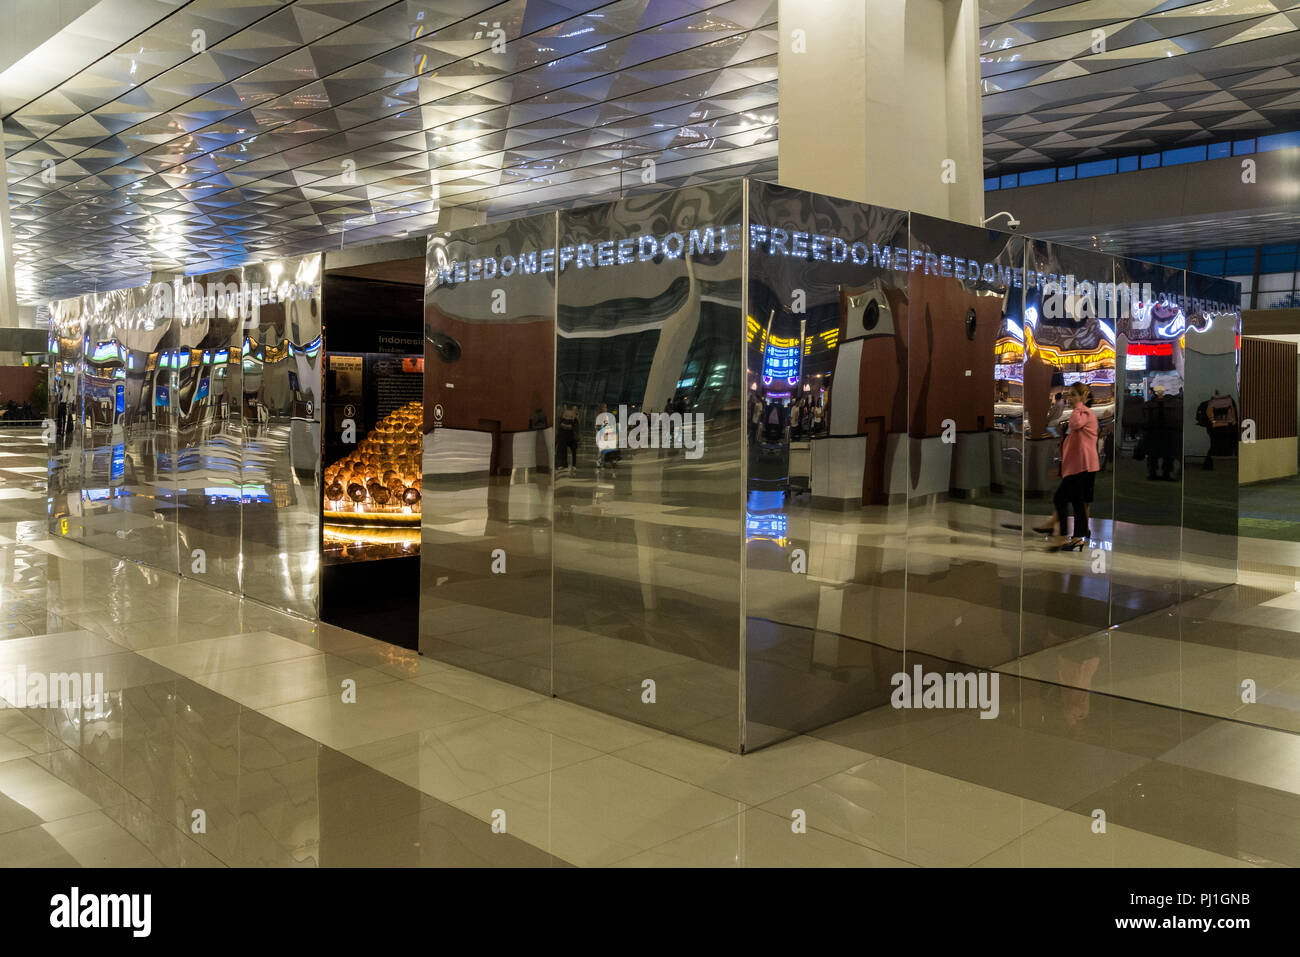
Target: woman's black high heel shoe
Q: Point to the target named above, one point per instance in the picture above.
(1073, 545)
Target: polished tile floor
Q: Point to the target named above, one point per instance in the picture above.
(223, 738)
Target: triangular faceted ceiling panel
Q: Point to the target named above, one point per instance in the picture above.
(250, 131)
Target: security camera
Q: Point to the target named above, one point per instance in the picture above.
(448, 349)
(1012, 223)
(868, 314)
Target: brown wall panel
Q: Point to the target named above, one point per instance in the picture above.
(1268, 387)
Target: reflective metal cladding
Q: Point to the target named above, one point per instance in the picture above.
(489, 440)
(648, 501)
(188, 422)
(724, 460)
(799, 446)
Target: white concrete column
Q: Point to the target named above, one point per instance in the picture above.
(460, 217)
(9, 315)
(880, 103)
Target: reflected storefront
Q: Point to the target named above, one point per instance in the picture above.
(881, 400)
(1068, 339)
(189, 428)
(371, 441)
(721, 460)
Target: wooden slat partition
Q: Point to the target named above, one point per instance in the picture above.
(1268, 386)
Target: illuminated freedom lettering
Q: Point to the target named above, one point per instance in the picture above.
(188, 301)
(1085, 297)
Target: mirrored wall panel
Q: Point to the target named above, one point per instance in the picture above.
(205, 373)
(280, 472)
(826, 459)
(67, 336)
(649, 505)
(964, 487)
(115, 426)
(1147, 534)
(1211, 434)
(1070, 407)
(489, 447)
(188, 427)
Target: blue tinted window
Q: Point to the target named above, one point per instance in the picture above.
(1097, 168)
(1150, 160)
(1128, 164)
(991, 183)
(1065, 172)
(1187, 154)
(1243, 146)
(1279, 141)
(1277, 258)
(1220, 150)
(1208, 261)
(1240, 260)
(1038, 177)
(1009, 181)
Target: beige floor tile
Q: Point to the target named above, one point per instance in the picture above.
(757, 838)
(380, 711)
(45, 795)
(33, 847)
(95, 840)
(211, 656)
(600, 811)
(913, 814)
(392, 660)
(1242, 752)
(293, 679)
(1068, 840)
(162, 632)
(478, 689)
(457, 760)
(49, 651)
(751, 778)
(14, 816)
(595, 730)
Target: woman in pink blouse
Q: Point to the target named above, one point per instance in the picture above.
(1079, 467)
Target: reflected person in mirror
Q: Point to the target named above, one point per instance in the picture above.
(1079, 466)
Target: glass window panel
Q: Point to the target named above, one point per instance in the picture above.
(1038, 177)
(1098, 168)
(1186, 154)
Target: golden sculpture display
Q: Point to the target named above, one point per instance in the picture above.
(378, 483)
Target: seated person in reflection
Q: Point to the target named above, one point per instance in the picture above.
(1079, 467)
